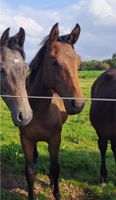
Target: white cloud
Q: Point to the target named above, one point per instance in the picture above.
(31, 26)
(101, 8)
(98, 23)
(104, 11)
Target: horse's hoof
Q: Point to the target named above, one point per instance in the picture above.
(103, 182)
(52, 186)
(57, 195)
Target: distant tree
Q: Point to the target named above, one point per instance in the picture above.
(90, 65)
(99, 65)
(114, 56)
(113, 63)
(105, 66)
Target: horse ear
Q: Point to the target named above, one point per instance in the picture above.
(20, 37)
(54, 33)
(75, 34)
(5, 37)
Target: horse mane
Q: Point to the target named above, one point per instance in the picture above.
(62, 38)
(12, 44)
(37, 61)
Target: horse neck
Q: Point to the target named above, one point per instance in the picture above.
(38, 89)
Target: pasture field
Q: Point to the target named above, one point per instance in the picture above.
(79, 158)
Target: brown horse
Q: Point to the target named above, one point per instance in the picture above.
(53, 73)
(12, 76)
(103, 115)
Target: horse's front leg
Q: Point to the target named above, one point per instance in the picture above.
(30, 177)
(35, 154)
(53, 148)
(29, 171)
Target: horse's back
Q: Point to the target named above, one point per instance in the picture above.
(104, 85)
(103, 113)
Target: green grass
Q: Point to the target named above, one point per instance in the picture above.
(89, 74)
(79, 156)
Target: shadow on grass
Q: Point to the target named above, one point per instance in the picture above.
(79, 166)
(5, 194)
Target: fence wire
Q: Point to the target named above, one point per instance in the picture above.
(63, 98)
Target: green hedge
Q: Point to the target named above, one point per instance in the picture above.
(98, 65)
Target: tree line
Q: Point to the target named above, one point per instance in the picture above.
(99, 65)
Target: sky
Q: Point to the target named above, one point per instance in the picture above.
(97, 19)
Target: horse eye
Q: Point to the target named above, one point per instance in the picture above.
(2, 71)
(54, 62)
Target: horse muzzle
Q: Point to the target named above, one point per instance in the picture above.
(74, 106)
(22, 119)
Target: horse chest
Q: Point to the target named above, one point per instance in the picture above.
(41, 129)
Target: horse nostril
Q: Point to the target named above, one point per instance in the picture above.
(73, 104)
(20, 117)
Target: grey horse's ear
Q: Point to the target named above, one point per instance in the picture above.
(74, 35)
(54, 33)
(20, 37)
(4, 38)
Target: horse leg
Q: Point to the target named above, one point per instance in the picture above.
(35, 154)
(53, 147)
(102, 143)
(29, 171)
(113, 146)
